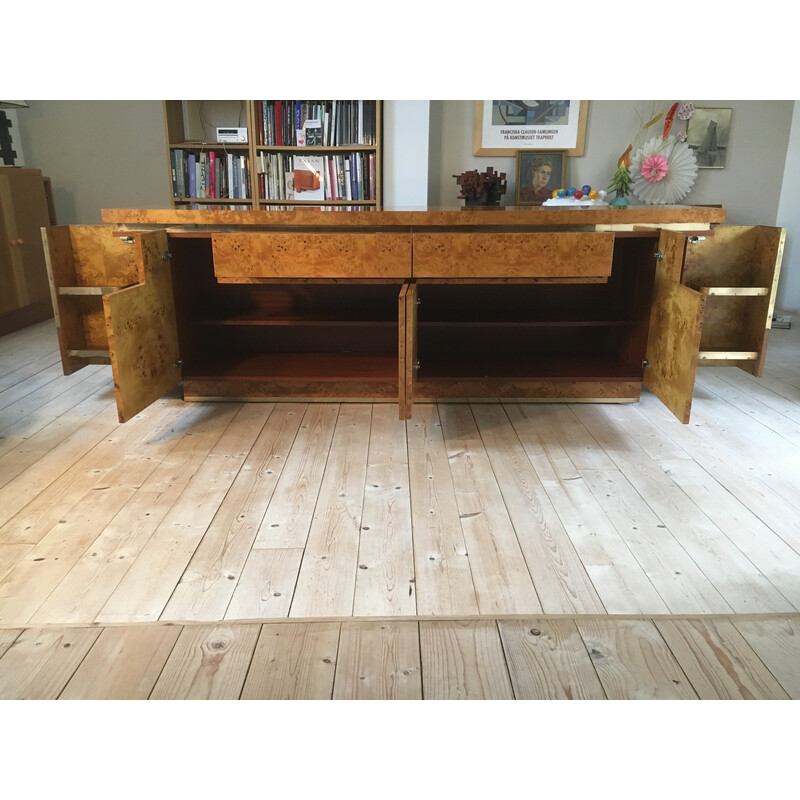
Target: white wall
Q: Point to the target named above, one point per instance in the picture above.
(788, 297)
(405, 153)
(748, 187)
(98, 154)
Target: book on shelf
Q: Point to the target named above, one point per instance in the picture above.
(212, 176)
(192, 166)
(174, 173)
(313, 132)
(308, 184)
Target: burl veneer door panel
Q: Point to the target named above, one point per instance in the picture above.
(244, 257)
(676, 325)
(102, 259)
(553, 256)
(142, 332)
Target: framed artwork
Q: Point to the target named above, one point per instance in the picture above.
(539, 172)
(504, 127)
(707, 134)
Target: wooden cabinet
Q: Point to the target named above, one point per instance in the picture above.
(26, 206)
(404, 308)
(257, 171)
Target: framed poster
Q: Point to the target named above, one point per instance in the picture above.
(707, 134)
(502, 127)
(538, 174)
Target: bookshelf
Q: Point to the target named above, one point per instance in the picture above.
(334, 161)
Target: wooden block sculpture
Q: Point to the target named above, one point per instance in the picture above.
(481, 188)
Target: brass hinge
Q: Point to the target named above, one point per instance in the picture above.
(696, 239)
(178, 363)
(166, 255)
(127, 239)
(645, 363)
(659, 255)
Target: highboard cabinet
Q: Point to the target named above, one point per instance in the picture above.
(411, 306)
(26, 204)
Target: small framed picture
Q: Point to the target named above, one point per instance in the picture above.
(539, 174)
(707, 134)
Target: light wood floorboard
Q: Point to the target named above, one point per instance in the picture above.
(510, 658)
(251, 537)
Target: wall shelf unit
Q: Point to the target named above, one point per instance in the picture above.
(271, 170)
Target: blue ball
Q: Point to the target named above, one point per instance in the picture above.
(571, 191)
(586, 189)
(562, 193)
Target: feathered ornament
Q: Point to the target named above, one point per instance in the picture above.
(668, 122)
(663, 171)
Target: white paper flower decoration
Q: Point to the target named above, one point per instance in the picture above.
(675, 182)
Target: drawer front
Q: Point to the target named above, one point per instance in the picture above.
(311, 255)
(513, 255)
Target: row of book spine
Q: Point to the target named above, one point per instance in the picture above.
(343, 177)
(342, 122)
(213, 174)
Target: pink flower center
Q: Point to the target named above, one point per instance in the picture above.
(654, 168)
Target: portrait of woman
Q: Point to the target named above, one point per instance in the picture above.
(538, 174)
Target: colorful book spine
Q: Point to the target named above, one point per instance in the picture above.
(192, 162)
(179, 172)
(212, 174)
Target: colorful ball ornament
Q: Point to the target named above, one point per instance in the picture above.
(561, 193)
(586, 189)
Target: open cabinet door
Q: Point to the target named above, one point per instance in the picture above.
(676, 323)
(142, 331)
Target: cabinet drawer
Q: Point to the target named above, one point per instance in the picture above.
(513, 255)
(251, 256)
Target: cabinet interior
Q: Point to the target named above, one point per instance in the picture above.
(552, 331)
(322, 332)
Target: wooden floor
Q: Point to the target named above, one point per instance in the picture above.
(352, 554)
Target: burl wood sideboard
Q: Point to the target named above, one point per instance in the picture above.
(413, 305)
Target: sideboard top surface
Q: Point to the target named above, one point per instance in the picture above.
(537, 216)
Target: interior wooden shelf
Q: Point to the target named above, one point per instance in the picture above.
(527, 323)
(88, 290)
(209, 146)
(299, 321)
(735, 291)
(90, 352)
(522, 366)
(215, 200)
(340, 367)
(728, 355)
(308, 148)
